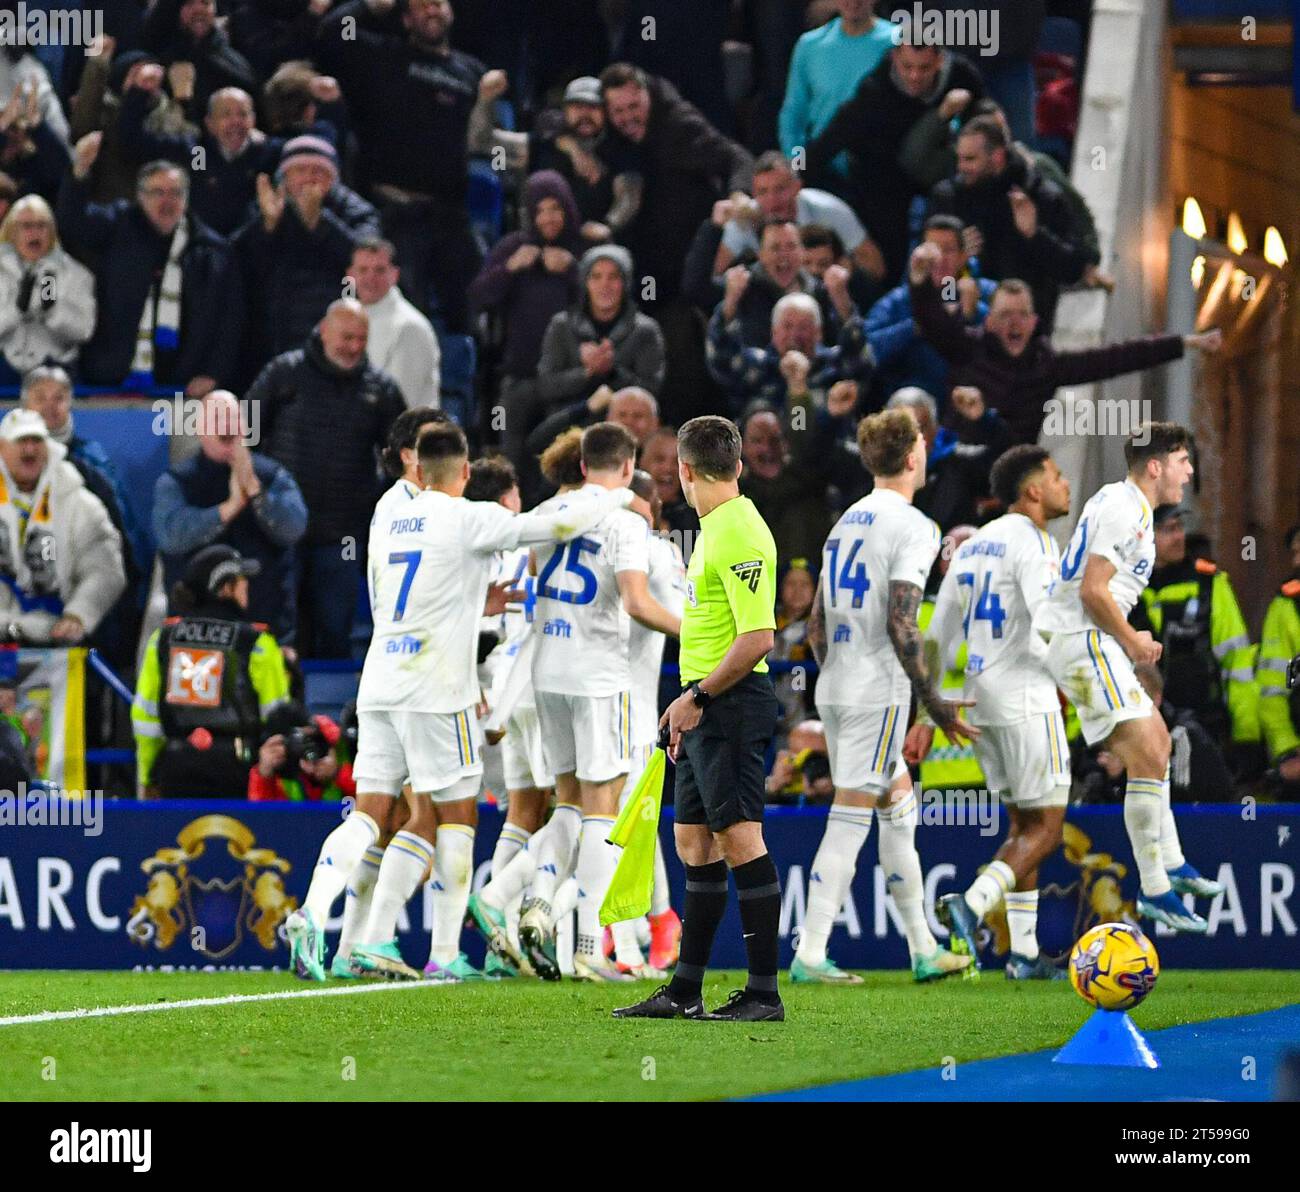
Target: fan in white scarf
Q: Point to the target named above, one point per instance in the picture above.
(27, 557)
(160, 321)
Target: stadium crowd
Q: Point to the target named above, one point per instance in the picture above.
(540, 215)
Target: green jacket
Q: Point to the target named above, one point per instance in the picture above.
(1197, 595)
(266, 672)
(950, 765)
(1281, 643)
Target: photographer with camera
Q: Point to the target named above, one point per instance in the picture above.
(304, 759)
(209, 680)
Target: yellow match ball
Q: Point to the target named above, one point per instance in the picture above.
(1113, 966)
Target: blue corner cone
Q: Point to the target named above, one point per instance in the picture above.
(1108, 1037)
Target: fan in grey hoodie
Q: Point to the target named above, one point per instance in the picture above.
(605, 339)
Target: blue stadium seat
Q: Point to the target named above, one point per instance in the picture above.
(459, 363)
(486, 201)
(326, 691)
(1061, 35)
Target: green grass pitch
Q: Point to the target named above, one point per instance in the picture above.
(531, 1041)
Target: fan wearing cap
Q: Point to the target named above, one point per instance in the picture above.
(1208, 662)
(569, 142)
(209, 679)
(298, 244)
(61, 564)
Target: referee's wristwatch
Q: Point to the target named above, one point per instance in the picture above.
(701, 697)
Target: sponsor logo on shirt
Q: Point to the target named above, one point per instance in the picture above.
(749, 573)
(690, 594)
(842, 633)
(557, 627)
(404, 645)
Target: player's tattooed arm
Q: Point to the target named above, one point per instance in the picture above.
(905, 637)
(817, 628)
(910, 648)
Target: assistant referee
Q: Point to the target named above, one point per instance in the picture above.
(718, 732)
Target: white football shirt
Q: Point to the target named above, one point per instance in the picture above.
(430, 562)
(582, 644)
(1116, 524)
(646, 646)
(994, 585)
(512, 627)
(880, 539)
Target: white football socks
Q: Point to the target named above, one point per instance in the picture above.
(558, 854)
(512, 839)
(405, 860)
(339, 857)
(987, 890)
(508, 886)
(902, 866)
(1171, 849)
(453, 870)
(356, 909)
(1143, 812)
(832, 872)
(597, 860)
(1022, 922)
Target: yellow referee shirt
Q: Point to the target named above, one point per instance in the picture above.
(730, 586)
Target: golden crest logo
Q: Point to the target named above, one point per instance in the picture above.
(212, 895)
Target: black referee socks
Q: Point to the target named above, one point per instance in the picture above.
(702, 911)
(759, 891)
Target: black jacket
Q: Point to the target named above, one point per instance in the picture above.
(411, 108)
(687, 165)
(1052, 258)
(129, 251)
(326, 425)
(217, 63)
(873, 127)
(293, 274)
(221, 191)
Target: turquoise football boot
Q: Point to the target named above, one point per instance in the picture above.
(306, 945)
(826, 973)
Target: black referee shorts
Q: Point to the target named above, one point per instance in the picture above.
(720, 773)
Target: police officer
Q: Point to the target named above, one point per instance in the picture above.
(1279, 652)
(1208, 662)
(209, 678)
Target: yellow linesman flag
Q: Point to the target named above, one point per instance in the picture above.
(635, 831)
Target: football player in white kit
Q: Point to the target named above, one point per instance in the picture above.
(1092, 650)
(494, 910)
(403, 467)
(864, 634)
(645, 656)
(430, 562)
(994, 584)
(528, 782)
(582, 683)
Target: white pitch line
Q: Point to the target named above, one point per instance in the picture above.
(231, 999)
